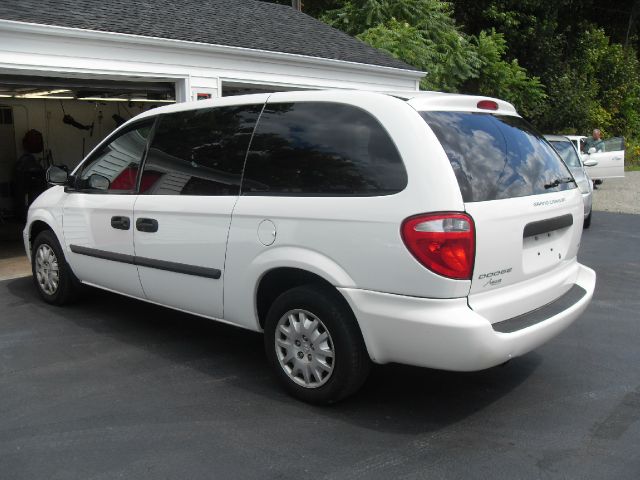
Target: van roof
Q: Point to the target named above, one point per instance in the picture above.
(419, 100)
(557, 138)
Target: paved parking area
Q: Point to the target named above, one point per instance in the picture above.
(13, 261)
(621, 195)
(115, 388)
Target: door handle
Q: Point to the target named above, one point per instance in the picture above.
(147, 225)
(121, 223)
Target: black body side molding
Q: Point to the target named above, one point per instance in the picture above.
(104, 254)
(149, 262)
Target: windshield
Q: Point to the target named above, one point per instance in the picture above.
(498, 156)
(567, 152)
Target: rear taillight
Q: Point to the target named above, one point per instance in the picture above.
(442, 242)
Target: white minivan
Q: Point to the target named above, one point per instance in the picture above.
(429, 229)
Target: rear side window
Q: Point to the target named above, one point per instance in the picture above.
(317, 148)
(199, 152)
(498, 156)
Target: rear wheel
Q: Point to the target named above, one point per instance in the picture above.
(52, 276)
(314, 345)
(587, 221)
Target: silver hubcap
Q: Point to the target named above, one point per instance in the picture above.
(304, 348)
(47, 272)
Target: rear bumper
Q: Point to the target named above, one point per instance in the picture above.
(447, 334)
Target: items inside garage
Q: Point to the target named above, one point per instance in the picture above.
(46, 121)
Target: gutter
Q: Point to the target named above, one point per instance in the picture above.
(281, 57)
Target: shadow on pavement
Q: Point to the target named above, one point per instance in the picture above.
(395, 398)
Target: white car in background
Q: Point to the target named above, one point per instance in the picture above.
(567, 150)
(423, 228)
(610, 160)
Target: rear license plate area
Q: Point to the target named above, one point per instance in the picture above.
(545, 243)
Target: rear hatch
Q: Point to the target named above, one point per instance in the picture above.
(525, 205)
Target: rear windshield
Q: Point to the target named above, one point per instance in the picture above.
(498, 156)
(567, 151)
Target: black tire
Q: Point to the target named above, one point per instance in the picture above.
(587, 221)
(68, 286)
(350, 362)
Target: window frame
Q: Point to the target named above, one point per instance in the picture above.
(614, 141)
(572, 148)
(75, 188)
(158, 120)
(469, 192)
(378, 193)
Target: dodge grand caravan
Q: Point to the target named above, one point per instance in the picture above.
(428, 229)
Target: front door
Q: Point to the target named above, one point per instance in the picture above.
(610, 159)
(189, 186)
(98, 213)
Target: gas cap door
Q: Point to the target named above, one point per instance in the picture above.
(267, 232)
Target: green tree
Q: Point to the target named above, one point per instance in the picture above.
(598, 87)
(506, 79)
(616, 72)
(420, 32)
(424, 34)
(553, 59)
(590, 81)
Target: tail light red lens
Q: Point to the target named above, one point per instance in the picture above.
(488, 105)
(443, 242)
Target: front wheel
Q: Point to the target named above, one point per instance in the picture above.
(53, 277)
(314, 344)
(587, 221)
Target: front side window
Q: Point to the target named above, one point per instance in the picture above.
(319, 148)
(199, 152)
(498, 156)
(114, 166)
(615, 144)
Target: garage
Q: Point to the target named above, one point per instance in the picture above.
(72, 115)
(73, 71)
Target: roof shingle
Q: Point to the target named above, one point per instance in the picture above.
(247, 23)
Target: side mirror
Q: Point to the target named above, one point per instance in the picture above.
(98, 182)
(57, 176)
(592, 150)
(590, 163)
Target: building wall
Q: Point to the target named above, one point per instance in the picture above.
(46, 50)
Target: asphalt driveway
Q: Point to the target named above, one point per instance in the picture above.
(116, 388)
(620, 195)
